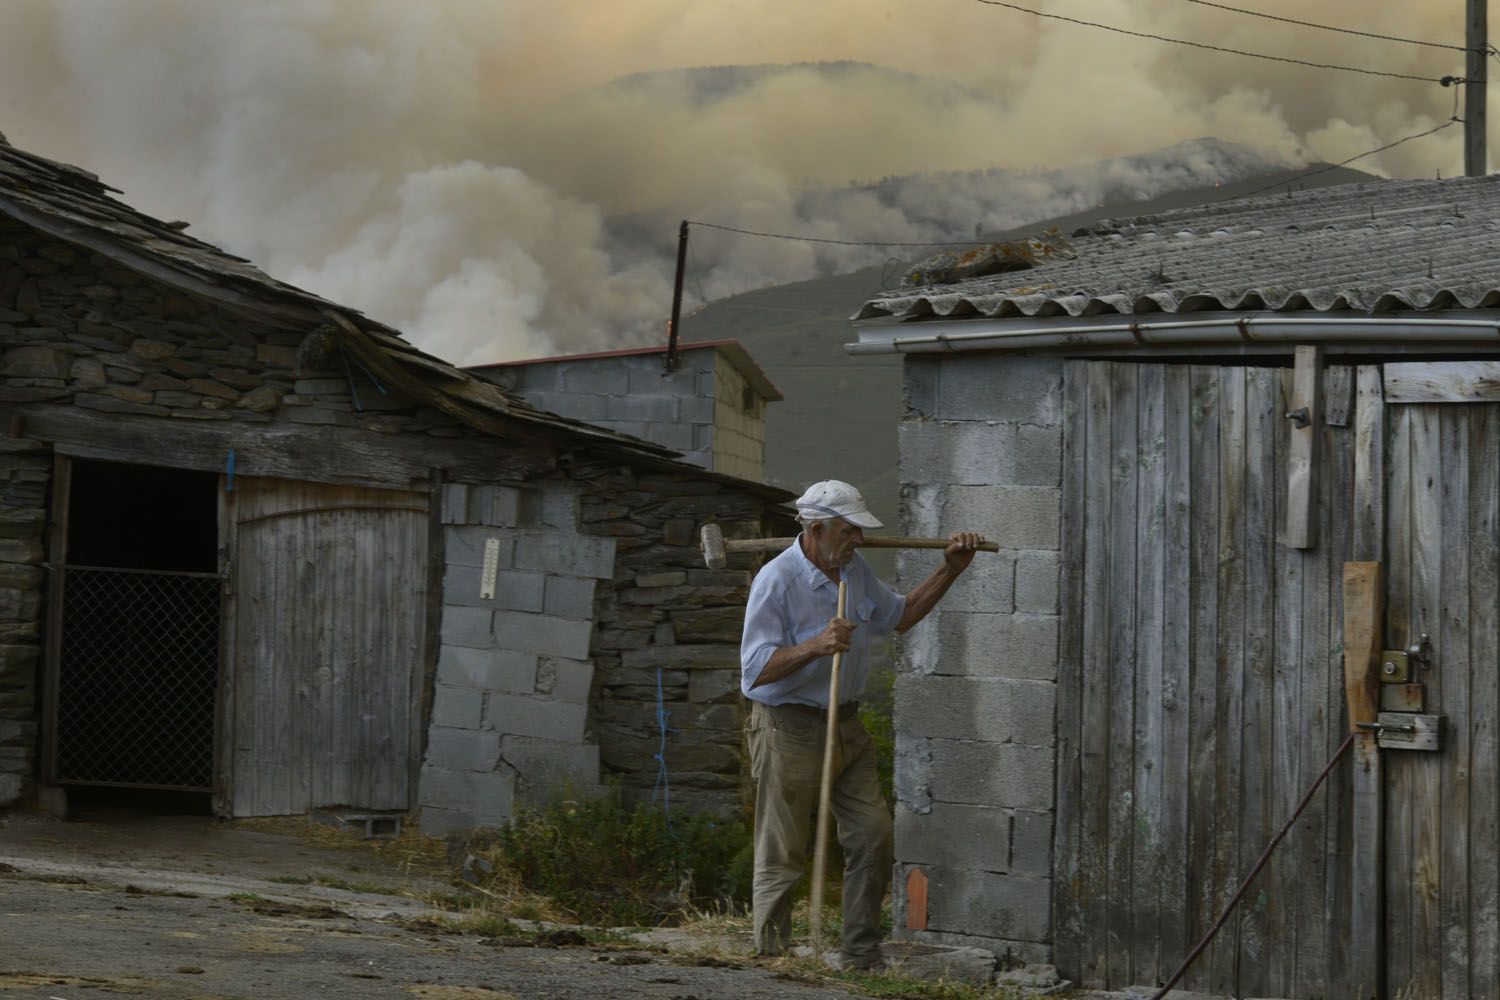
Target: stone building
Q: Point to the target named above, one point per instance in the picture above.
(710, 406)
(1202, 439)
(256, 547)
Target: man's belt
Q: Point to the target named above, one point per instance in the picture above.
(847, 710)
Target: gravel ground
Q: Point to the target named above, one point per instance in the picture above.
(186, 908)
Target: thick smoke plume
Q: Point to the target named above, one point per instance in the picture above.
(501, 178)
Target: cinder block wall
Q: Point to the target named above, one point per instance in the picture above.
(738, 434)
(626, 393)
(981, 449)
(510, 704)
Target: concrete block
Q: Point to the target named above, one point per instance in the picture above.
(558, 508)
(435, 822)
(1031, 844)
(1009, 775)
(1017, 517)
(996, 387)
(647, 408)
(987, 585)
(984, 645)
(459, 707)
(542, 377)
(711, 685)
(913, 773)
(455, 503)
(678, 437)
(519, 715)
(498, 506)
(569, 597)
(974, 838)
(998, 710)
(1037, 456)
(464, 545)
(1036, 582)
(920, 385)
(1008, 906)
(600, 376)
(974, 966)
(471, 627)
(547, 635)
(565, 680)
(977, 453)
(12, 786)
(462, 749)
(566, 554)
(514, 590)
(467, 799)
(922, 516)
(583, 406)
(696, 410)
(487, 669)
(551, 770)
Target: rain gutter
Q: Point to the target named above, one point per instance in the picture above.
(885, 336)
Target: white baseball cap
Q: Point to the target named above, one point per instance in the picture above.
(832, 498)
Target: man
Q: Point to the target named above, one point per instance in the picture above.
(792, 630)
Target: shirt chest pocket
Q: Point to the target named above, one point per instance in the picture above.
(860, 614)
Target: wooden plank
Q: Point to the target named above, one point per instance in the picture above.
(1484, 701)
(1122, 814)
(1302, 455)
(1230, 660)
(1442, 382)
(320, 453)
(57, 558)
(224, 699)
(1338, 395)
(424, 663)
(1203, 731)
(916, 900)
(1257, 763)
(1176, 891)
(1369, 467)
(1397, 856)
(1148, 746)
(1451, 658)
(1364, 606)
(1425, 771)
(1069, 870)
(1094, 766)
(1288, 619)
(1363, 908)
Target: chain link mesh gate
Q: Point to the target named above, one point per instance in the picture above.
(137, 677)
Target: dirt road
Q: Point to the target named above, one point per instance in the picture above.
(184, 908)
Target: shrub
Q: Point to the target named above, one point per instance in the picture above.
(611, 864)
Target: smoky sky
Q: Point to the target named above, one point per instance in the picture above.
(502, 178)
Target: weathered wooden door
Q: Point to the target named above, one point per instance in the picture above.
(1442, 810)
(323, 694)
(1200, 684)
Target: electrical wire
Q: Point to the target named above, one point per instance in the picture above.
(842, 243)
(1216, 48)
(1455, 120)
(1345, 31)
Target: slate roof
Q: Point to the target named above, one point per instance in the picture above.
(72, 204)
(1361, 249)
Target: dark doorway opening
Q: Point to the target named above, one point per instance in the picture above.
(138, 645)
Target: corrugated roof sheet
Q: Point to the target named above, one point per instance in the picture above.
(1366, 248)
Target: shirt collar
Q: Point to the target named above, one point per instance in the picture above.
(814, 576)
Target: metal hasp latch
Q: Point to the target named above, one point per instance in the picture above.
(1406, 731)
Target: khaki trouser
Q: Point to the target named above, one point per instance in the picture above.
(786, 763)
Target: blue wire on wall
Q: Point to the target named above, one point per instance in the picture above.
(663, 782)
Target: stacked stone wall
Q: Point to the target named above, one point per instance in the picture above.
(25, 474)
(981, 449)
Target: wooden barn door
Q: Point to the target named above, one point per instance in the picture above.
(1442, 809)
(328, 592)
(1201, 684)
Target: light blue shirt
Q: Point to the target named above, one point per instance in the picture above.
(791, 601)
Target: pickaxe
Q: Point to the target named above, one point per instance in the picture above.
(716, 549)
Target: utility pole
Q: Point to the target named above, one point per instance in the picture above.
(1476, 77)
(669, 364)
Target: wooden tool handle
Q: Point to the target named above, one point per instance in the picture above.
(825, 798)
(896, 542)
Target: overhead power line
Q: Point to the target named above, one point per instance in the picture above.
(1330, 27)
(1219, 48)
(1344, 163)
